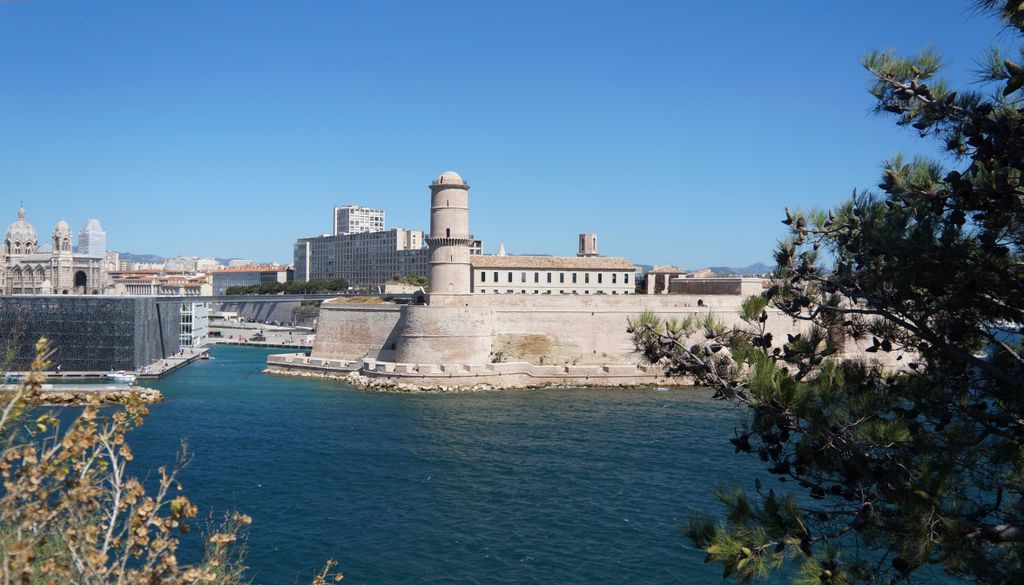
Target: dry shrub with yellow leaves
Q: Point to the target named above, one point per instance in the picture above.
(69, 513)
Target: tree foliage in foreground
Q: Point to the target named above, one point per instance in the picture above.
(71, 513)
(886, 473)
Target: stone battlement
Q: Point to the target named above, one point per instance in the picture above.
(406, 376)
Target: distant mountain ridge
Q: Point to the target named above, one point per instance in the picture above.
(756, 268)
(153, 258)
(148, 258)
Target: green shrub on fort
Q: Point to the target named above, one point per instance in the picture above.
(338, 285)
(907, 470)
(412, 280)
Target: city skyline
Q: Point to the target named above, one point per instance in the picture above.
(230, 130)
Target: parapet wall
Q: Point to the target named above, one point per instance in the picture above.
(544, 330)
(352, 331)
(403, 376)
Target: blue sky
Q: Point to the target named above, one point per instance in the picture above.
(677, 131)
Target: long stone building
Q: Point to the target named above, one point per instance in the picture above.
(26, 269)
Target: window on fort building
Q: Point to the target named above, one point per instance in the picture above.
(523, 291)
(574, 279)
(483, 276)
(510, 278)
(536, 277)
(599, 278)
(561, 292)
(549, 278)
(561, 277)
(495, 278)
(586, 278)
(625, 278)
(522, 277)
(510, 291)
(448, 232)
(535, 292)
(613, 277)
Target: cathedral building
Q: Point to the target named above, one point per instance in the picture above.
(25, 268)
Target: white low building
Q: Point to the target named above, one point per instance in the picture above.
(550, 275)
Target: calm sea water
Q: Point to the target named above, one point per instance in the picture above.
(544, 486)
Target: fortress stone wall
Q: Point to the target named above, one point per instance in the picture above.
(459, 338)
(476, 334)
(348, 331)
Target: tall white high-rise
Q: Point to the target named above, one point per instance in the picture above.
(352, 219)
(92, 240)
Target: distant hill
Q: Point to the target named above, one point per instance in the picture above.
(756, 268)
(148, 258)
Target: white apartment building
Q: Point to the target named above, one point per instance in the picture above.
(368, 258)
(353, 219)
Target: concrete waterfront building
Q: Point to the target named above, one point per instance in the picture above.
(194, 327)
(353, 219)
(25, 269)
(91, 333)
(92, 239)
(449, 242)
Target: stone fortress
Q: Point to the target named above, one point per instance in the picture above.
(25, 268)
(496, 321)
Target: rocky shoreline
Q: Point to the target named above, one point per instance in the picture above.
(364, 382)
(79, 396)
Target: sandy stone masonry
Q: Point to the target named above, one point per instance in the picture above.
(458, 339)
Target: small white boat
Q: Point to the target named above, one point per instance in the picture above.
(121, 376)
(14, 377)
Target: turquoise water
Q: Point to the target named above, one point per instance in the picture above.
(542, 486)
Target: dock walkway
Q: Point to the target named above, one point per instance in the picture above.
(156, 370)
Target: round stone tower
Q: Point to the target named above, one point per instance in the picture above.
(449, 240)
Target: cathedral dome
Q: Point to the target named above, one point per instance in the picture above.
(62, 228)
(21, 230)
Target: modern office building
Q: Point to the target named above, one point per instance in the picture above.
(353, 219)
